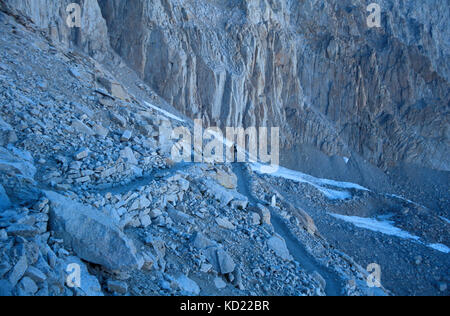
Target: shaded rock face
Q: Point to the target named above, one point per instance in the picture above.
(313, 68)
(51, 16)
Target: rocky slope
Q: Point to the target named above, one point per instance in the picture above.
(84, 167)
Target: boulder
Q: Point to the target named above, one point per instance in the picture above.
(219, 283)
(114, 88)
(35, 274)
(81, 154)
(93, 236)
(126, 136)
(127, 154)
(303, 218)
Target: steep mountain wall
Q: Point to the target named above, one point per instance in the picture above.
(314, 68)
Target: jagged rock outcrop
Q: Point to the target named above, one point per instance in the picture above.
(93, 236)
(313, 68)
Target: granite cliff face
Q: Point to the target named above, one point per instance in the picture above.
(314, 68)
(87, 176)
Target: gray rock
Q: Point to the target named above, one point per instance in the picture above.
(227, 180)
(7, 133)
(220, 259)
(114, 88)
(264, 213)
(93, 236)
(35, 274)
(89, 284)
(226, 263)
(82, 128)
(18, 271)
(3, 235)
(101, 131)
(6, 289)
(22, 230)
(255, 219)
(178, 216)
(225, 196)
(155, 213)
(187, 286)
(200, 241)
(81, 154)
(27, 286)
(118, 119)
(5, 203)
(278, 245)
(128, 155)
(145, 220)
(225, 223)
(17, 162)
(126, 136)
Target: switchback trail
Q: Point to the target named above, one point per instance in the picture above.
(306, 260)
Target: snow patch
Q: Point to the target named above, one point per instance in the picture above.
(169, 115)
